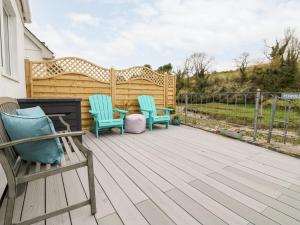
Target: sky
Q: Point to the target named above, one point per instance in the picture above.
(126, 33)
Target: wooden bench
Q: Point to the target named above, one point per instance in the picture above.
(19, 171)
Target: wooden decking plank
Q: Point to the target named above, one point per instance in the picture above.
(167, 165)
(177, 214)
(56, 199)
(280, 217)
(221, 211)
(104, 206)
(75, 194)
(279, 206)
(111, 219)
(243, 210)
(264, 182)
(153, 214)
(195, 209)
(121, 202)
(133, 192)
(140, 154)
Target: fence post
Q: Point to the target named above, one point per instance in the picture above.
(28, 77)
(165, 89)
(185, 108)
(274, 102)
(174, 91)
(113, 86)
(286, 122)
(256, 114)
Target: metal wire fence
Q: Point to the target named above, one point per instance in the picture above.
(251, 116)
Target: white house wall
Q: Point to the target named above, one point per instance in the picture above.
(14, 86)
(32, 51)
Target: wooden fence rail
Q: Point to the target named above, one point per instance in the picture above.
(73, 77)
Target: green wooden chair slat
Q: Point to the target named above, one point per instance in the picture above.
(102, 112)
(149, 110)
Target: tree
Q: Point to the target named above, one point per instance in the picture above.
(282, 72)
(148, 66)
(197, 66)
(167, 68)
(242, 63)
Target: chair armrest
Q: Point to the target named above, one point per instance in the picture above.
(165, 109)
(61, 119)
(147, 110)
(40, 138)
(120, 111)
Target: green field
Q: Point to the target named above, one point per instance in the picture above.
(244, 115)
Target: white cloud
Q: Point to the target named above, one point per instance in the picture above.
(173, 29)
(84, 19)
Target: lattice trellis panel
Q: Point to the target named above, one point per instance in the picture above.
(139, 73)
(170, 81)
(52, 68)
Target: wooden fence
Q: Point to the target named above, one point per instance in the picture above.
(72, 77)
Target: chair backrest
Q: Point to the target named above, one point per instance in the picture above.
(102, 105)
(147, 102)
(8, 105)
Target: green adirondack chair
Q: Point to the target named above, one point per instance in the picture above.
(102, 111)
(148, 108)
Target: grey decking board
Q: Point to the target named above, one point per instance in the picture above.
(75, 193)
(56, 199)
(133, 192)
(170, 167)
(168, 206)
(265, 183)
(122, 150)
(248, 213)
(111, 219)
(154, 214)
(280, 206)
(233, 193)
(196, 210)
(280, 217)
(121, 202)
(295, 187)
(290, 201)
(221, 211)
(103, 204)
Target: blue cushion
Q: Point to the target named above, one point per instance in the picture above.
(33, 112)
(19, 127)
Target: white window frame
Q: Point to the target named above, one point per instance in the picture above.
(12, 30)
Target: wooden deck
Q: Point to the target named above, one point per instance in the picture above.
(178, 176)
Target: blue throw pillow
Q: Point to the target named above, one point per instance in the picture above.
(19, 127)
(32, 112)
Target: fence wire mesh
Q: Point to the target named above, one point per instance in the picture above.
(243, 115)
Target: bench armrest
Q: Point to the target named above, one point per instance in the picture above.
(61, 119)
(40, 138)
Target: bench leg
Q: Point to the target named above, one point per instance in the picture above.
(91, 183)
(9, 211)
(167, 125)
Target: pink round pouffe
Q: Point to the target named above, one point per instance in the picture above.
(135, 123)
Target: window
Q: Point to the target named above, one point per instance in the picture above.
(6, 37)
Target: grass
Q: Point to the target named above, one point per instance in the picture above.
(244, 115)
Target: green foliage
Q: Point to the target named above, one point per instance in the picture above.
(167, 68)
